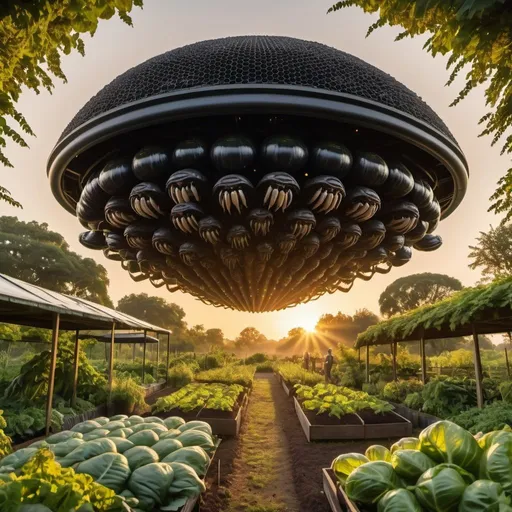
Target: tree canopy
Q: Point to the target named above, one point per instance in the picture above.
(477, 36)
(34, 34)
(493, 253)
(31, 252)
(416, 290)
(154, 310)
(250, 340)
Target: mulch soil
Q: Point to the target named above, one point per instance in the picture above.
(307, 460)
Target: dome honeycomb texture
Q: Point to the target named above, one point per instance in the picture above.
(250, 60)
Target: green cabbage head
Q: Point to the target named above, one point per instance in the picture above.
(193, 456)
(406, 443)
(441, 488)
(445, 441)
(370, 481)
(484, 495)
(411, 464)
(378, 452)
(344, 464)
(497, 462)
(109, 469)
(399, 500)
(150, 484)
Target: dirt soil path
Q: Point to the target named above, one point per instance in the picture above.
(262, 477)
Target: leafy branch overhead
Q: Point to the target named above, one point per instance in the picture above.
(478, 36)
(34, 35)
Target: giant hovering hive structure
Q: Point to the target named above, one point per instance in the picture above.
(257, 173)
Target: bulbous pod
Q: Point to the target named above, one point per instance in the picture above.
(238, 237)
(233, 193)
(116, 241)
(324, 251)
(331, 158)
(401, 257)
(166, 241)
(230, 257)
(260, 221)
(283, 153)
(149, 260)
(233, 154)
(323, 193)
(152, 164)
(328, 228)
(349, 235)
(111, 255)
(376, 256)
(416, 234)
(93, 199)
(369, 169)
(278, 189)
(300, 222)
(264, 251)
(431, 212)
(131, 265)
(191, 253)
(286, 242)
(373, 233)
(186, 217)
(429, 243)
(139, 235)
(189, 153)
(149, 201)
(400, 217)
(361, 204)
(422, 194)
(117, 177)
(119, 213)
(93, 240)
(128, 254)
(393, 243)
(432, 225)
(187, 185)
(309, 245)
(210, 230)
(400, 182)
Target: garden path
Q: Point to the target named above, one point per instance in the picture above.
(262, 475)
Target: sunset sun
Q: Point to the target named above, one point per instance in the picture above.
(309, 323)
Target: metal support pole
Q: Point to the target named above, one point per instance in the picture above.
(75, 368)
(53, 364)
(393, 354)
(423, 360)
(144, 358)
(478, 369)
(167, 365)
(157, 355)
(367, 363)
(111, 363)
(506, 361)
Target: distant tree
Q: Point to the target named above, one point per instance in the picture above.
(250, 340)
(34, 35)
(155, 310)
(413, 291)
(214, 338)
(493, 253)
(31, 252)
(477, 34)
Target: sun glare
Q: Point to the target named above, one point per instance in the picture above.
(308, 323)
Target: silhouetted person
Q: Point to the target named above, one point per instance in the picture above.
(329, 360)
(306, 360)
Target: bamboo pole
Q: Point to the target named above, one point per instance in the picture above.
(506, 361)
(423, 360)
(111, 363)
(144, 358)
(75, 368)
(53, 364)
(478, 368)
(168, 353)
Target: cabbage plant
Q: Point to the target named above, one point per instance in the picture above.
(378, 452)
(411, 464)
(484, 495)
(344, 464)
(399, 500)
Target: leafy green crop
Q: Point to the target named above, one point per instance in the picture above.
(5, 440)
(337, 400)
(219, 397)
(492, 417)
(295, 374)
(398, 391)
(231, 374)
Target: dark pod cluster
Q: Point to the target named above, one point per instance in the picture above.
(257, 226)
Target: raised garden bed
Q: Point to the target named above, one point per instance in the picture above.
(288, 388)
(335, 495)
(363, 425)
(149, 389)
(417, 418)
(223, 423)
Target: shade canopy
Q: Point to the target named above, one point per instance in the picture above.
(26, 304)
(121, 337)
(482, 309)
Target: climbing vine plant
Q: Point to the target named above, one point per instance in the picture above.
(34, 35)
(477, 36)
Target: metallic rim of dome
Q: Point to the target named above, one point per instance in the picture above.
(257, 99)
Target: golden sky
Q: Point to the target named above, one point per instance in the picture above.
(163, 25)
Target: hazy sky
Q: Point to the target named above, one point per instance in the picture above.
(164, 25)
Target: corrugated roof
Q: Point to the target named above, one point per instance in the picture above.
(27, 304)
(121, 337)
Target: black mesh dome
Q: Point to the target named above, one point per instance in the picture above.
(257, 60)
